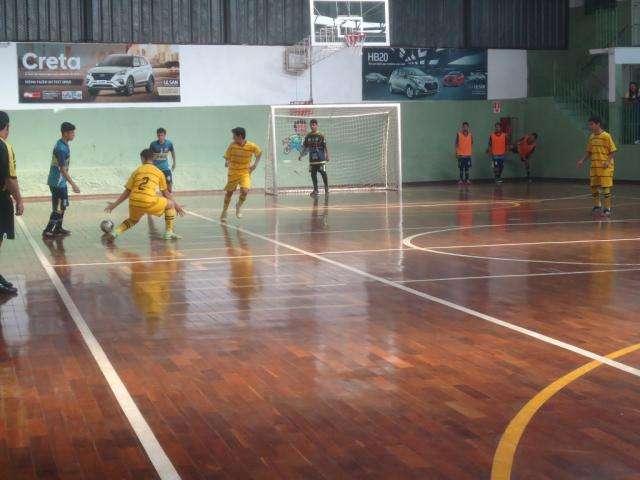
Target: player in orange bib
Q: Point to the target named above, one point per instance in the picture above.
(142, 191)
(464, 153)
(498, 143)
(526, 146)
(601, 150)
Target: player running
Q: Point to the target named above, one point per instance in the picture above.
(464, 152)
(239, 169)
(161, 149)
(498, 143)
(315, 144)
(141, 190)
(58, 180)
(601, 150)
(526, 146)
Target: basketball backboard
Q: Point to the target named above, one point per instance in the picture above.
(332, 20)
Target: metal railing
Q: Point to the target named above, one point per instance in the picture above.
(629, 123)
(609, 28)
(580, 101)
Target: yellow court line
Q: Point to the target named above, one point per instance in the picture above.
(503, 458)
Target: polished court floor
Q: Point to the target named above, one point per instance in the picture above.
(479, 333)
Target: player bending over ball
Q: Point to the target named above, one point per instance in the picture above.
(161, 149)
(141, 190)
(239, 169)
(464, 152)
(601, 151)
(315, 144)
(58, 180)
(526, 146)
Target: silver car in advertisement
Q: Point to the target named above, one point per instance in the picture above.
(121, 73)
(412, 82)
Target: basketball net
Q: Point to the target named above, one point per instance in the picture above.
(355, 39)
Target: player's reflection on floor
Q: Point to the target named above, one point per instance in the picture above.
(58, 255)
(151, 282)
(320, 216)
(243, 281)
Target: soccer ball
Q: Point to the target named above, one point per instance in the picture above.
(106, 226)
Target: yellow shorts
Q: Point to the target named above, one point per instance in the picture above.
(157, 209)
(603, 182)
(234, 181)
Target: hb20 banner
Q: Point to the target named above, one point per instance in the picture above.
(85, 72)
(393, 74)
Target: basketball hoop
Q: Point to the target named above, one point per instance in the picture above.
(355, 39)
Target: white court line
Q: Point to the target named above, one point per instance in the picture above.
(519, 275)
(148, 440)
(528, 244)
(544, 338)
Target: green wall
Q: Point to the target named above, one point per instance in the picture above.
(108, 142)
(563, 141)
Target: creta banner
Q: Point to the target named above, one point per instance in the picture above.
(395, 74)
(98, 73)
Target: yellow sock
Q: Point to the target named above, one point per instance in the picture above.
(606, 193)
(243, 197)
(596, 196)
(170, 218)
(124, 226)
(227, 201)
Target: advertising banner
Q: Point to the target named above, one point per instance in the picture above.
(98, 73)
(395, 74)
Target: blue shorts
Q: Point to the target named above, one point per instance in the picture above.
(59, 198)
(498, 161)
(464, 162)
(168, 174)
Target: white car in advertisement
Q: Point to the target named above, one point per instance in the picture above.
(122, 74)
(375, 77)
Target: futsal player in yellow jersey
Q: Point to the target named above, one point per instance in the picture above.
(239, 168)
(602, 151)
(141, 190)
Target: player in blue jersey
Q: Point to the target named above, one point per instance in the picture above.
(58, 180)
(161, 149)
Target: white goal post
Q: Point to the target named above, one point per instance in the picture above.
(364, 142)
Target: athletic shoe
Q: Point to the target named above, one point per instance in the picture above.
(315, 193)
(468, 182)
(223, 217)
(171, 236)
(62, 231)
(48, 234)
(8, 290)
(460, 182)
(5, 283)
(238, 212)
(596, 210)
(606, 212)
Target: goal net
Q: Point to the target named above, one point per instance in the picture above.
(363, 141)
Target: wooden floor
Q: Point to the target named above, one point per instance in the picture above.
(456, 334)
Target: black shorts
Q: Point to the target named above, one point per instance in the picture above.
(6, 217)
(317, 167)
(464, 162)
(59, 199)
(168, 174)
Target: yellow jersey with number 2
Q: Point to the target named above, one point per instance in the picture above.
(144, 184)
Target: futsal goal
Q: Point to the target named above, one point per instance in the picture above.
(363, 140)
